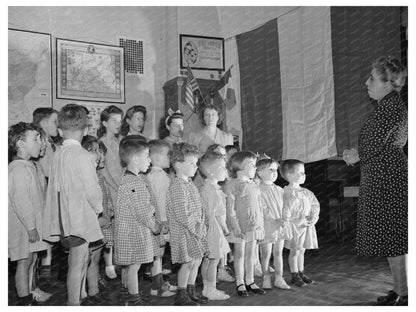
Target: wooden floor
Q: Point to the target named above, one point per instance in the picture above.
(342, 279)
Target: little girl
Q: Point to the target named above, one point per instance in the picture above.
(91, 144)
(304, 213)
(186, 223)
(174, 124)
(276, 226)
(212, 168)
(245, 219)
(26, 206)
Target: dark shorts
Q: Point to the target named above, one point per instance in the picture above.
(72, 241)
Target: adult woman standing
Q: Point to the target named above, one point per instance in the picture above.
(210, 133)
(134, 121)
(383, 206)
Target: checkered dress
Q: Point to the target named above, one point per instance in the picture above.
(134, 218)
(186, 221)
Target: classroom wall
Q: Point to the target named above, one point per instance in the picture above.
(159, 27)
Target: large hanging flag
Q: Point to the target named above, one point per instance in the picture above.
(302, 78)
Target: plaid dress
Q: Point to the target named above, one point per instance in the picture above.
(133, 221)
(186, 221)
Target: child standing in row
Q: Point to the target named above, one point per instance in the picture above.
(245, 219)
(135, 225)
(159, 182)
(26, 206)
(74, 198)
(304, 213)
(46, 118)
(186, 222)
(276, 225)
(212, 168)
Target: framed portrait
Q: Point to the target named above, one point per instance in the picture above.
(206, 53)
(88, 71)
(29, 73)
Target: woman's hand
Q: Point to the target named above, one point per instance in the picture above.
(350, 156)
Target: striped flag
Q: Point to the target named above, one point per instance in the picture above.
(302, 78)
(190, 87)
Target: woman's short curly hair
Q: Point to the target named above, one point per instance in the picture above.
(391, 69)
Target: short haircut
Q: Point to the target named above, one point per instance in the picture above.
(214, 148)
(18, 132)
(88, 141)
(129, 147)
(209, 106)
(235, 163)
(157, 146)
(265, 162)
(288, 165)
(229, 148)
(41, 113)
(207, 160)
(181, 150)
(72, 117)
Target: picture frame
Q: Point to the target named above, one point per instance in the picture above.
(29, 73)
(87, 71)
(204, 53)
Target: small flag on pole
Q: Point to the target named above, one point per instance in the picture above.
(190, 87)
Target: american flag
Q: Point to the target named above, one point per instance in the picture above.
(190, 87)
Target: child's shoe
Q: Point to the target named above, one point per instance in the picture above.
(167, 286)
(297, 280)
(215, 294)
(26, 301)
(39, 295)
(182, 299)
(255, 289)
(224, 276)
(242, 291)
(110, 272)
(267, 282)
(136, 300)
(305, 278)
(279, 282)
(191, 290)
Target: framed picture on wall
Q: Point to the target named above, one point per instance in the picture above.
(89, 72)
(201, 52)
(30, 73)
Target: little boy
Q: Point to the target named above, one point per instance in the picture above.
(159, 182)
(74, 198)
(135, 226)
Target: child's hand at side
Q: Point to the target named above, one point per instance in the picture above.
(33, 235)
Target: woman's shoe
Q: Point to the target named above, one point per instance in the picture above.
(255, 289)
(387, 300)
(242, 291)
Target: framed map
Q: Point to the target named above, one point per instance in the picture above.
(89, 72)
(30, 74)
(201, 52)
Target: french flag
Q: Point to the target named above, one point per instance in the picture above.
(299, 79)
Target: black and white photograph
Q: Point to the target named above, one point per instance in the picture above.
(207, 154)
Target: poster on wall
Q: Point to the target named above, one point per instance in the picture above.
(30, 73)
(89, 72)
(202, 52)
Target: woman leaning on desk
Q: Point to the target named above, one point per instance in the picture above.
(382, 220)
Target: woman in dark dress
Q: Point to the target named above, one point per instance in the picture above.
(383, 207)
